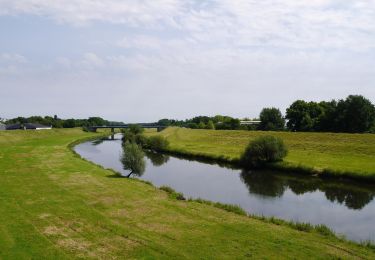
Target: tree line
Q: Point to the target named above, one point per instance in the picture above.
(204, 122)
(57, 122)
(355, 114)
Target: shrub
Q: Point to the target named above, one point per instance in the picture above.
(141, 140)
(264, 149)
(173, 193)
(324, 230)
(157, 143)
(127, 136)
(167, 189)
(136, 129)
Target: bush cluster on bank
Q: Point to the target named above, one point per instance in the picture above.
(264, 149)
(155, 143)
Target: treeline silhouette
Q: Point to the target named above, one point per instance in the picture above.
(57, 122)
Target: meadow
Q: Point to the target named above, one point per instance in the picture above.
(350, 155)
(54, 205)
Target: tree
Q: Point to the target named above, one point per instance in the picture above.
(96, 121)
(326, 121)
(201, 125)
(304, 116)
(133, 159)
(69, 123)
(262, 150)
(136, 129)
(355, 114)
(271, 119)
(210, 125)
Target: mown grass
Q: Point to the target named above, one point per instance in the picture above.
(349, 155)
(54, 205)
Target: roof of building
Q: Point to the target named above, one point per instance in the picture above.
(13, 127)
(27, 126)
(35, 126)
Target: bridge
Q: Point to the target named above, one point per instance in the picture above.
(125, 126)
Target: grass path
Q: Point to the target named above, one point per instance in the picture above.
(54, 205)
(345, 154)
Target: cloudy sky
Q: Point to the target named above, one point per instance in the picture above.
(141, 60)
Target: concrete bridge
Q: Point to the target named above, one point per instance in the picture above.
(113, 127)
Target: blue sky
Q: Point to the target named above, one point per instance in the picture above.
(144, 60)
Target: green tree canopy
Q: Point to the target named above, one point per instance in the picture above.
(133, 159)
(271, 119)
(355, 114)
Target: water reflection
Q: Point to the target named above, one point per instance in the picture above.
(270, 184)
(101, 140)
(345, 206)
(157, 159)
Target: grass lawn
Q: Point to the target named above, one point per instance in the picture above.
(54, 205)
(352, 154)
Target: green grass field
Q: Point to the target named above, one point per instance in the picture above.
(53, 205)
(345, 154)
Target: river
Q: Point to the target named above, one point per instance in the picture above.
(347, 207)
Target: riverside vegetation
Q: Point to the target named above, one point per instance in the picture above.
(328, 154)
(55, 205)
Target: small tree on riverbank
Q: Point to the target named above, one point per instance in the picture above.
(133, 159)
(264, 149)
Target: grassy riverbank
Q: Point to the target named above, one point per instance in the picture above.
(57, 206)
(351, 155)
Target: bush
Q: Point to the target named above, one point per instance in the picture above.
(136, 129)
(141, 140)
(157, 143)
(264, 149)
(128, 136)
(173, 193)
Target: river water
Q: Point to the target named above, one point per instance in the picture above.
(348, 208)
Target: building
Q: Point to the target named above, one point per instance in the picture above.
(250, 122)
(2, 126)
(28, 126)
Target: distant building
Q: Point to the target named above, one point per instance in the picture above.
(250, 122)
(28, 126)
(2, 126)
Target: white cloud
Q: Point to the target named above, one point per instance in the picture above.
(11, 63)
(284, 23)
(12, 58)
(200, 54)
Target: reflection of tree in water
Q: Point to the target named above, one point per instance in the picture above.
(353, 199)
(270, 184)
(101, 140)
(303, 184)
(157, 159)
(133, 159)
(263, 183)
(98, 141)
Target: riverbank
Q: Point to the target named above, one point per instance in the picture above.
(54, 205)
(324, 154)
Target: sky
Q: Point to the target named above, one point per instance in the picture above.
(142, 60)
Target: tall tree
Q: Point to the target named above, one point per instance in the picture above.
(271, 119)
(355, 114)
(304, 116)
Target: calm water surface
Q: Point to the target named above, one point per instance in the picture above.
(347, 208)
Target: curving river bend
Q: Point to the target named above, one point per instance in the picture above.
(348, 208)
